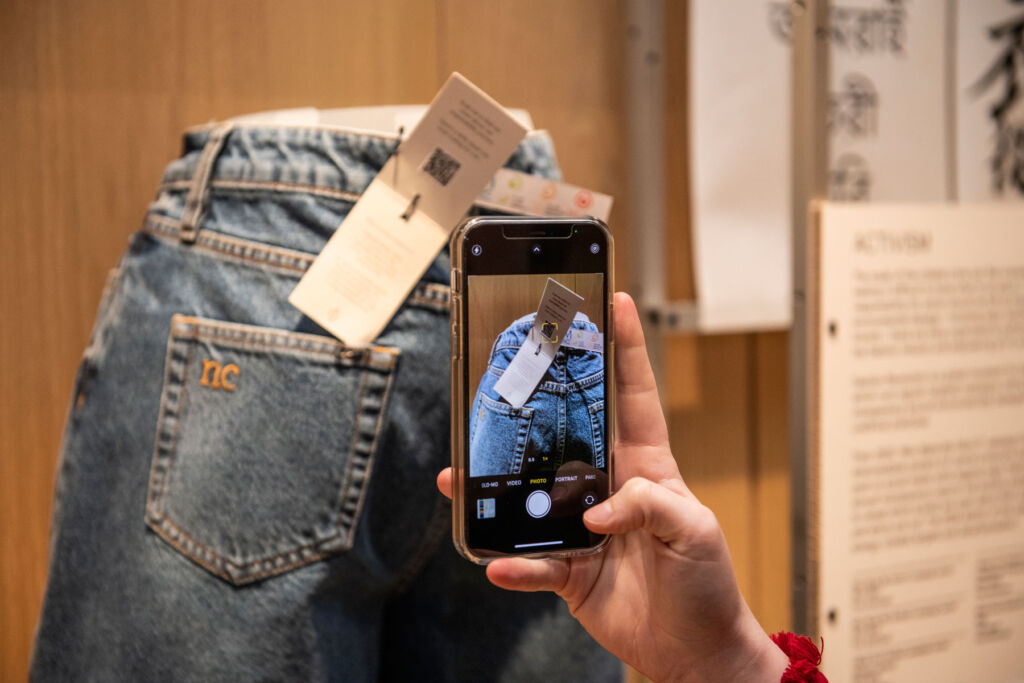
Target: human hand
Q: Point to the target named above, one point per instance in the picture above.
(663, 595)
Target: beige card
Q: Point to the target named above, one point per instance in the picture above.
(403, 219)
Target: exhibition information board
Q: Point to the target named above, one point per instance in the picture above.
(916, 491)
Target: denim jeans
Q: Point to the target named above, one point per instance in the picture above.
(562, 421)
(241, 496)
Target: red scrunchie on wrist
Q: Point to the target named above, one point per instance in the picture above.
(804, 658)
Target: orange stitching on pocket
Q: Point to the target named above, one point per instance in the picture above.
(160, 521)
(372, 449)
(216, 330)
(156, 492)
(153, 494)
(182, 403)
(326, 357)
(347, 477)
(242, 566)
(240, 336)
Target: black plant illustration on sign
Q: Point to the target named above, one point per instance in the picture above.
(1006, 72)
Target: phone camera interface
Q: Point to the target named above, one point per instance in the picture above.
(477, 250)
(535, 428)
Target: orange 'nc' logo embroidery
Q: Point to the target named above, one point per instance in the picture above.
(216, 376)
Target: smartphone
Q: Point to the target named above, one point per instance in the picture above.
(531, 311)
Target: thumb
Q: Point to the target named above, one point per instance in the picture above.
(678, 521)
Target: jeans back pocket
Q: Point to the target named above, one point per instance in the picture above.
(264, 445)
(500, 434)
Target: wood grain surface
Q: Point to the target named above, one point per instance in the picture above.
(93, 98)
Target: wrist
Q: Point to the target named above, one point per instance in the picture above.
(760, 660)
(749, 655)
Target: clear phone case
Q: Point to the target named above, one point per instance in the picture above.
(460, 398)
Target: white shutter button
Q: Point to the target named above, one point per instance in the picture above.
(538, 504)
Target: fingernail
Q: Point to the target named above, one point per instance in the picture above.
(598, 515)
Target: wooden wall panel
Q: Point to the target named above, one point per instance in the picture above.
(711, 443)
(769, 596)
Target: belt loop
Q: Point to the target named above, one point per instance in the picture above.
(198, 195)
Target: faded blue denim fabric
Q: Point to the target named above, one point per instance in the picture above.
(562, 421)
(242, 497)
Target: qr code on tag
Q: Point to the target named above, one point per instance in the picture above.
(441, 166)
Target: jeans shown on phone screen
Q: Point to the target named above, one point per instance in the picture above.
(563, 420)
(241, 496)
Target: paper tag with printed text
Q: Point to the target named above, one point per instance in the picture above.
(404, 217)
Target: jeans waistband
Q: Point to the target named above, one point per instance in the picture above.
(327, 161)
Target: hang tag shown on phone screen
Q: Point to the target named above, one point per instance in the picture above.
(403, 219)
(558, 306)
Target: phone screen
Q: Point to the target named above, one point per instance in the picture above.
(535, 343)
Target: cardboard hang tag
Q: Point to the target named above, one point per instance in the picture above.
(403, 219)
